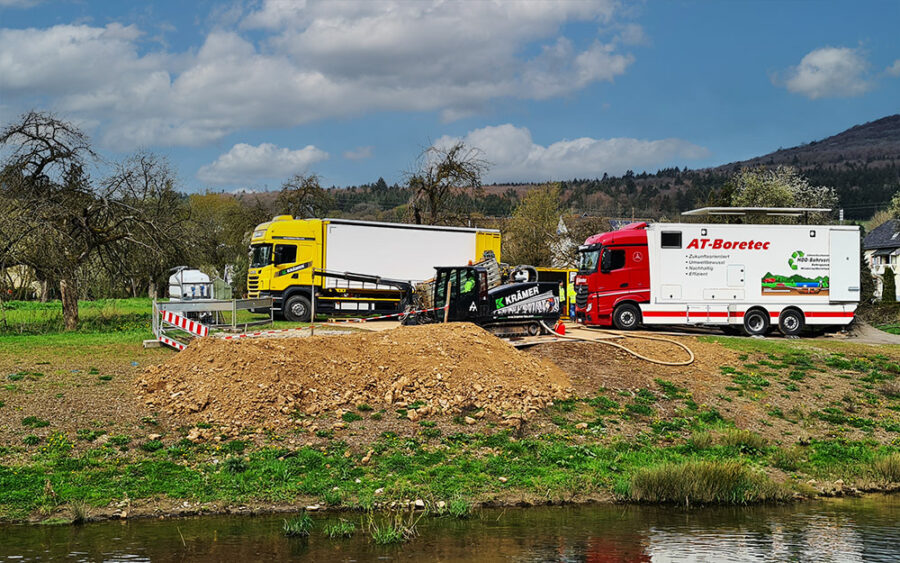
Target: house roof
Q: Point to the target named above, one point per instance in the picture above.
(886, 235)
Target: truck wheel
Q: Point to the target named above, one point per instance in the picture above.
(756, 322)
(790, 323)
(627, 316)
(297, 309)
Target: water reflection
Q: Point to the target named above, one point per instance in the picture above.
(841, 530)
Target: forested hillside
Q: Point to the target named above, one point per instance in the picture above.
(861, 163)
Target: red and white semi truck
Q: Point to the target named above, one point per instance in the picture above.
(736, 276)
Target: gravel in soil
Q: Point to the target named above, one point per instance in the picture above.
(425, 370)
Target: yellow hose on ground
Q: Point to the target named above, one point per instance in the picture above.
(632, 352)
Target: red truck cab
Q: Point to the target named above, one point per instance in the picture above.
(613, 278)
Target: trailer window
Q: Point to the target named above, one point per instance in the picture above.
(285, 253)
(671, 239)
(260, 255)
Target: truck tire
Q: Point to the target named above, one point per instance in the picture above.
(756, 322)
(627, 316)
(297, 309)
(790, 323)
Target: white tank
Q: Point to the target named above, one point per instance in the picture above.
(188, 283)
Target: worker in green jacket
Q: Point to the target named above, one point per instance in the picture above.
(570, 293)
(469, 284)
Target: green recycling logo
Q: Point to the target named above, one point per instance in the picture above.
(797, 254)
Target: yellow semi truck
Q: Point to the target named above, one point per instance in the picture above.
(285, 251)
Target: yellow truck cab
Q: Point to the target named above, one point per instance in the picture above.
(285, 251)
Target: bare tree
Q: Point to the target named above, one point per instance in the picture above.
(69, 220)
(444, 184)
(146, 183)
(302, 196)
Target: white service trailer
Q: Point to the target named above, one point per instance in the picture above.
(752, 275)
(396, 251)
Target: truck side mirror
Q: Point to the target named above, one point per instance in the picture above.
(605, 261)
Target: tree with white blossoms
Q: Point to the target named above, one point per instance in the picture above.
(783, 186)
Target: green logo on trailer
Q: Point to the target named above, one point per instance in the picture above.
(797, 254)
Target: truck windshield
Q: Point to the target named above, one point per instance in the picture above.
(587, 261)
(260, 255)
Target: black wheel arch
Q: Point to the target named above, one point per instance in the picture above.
(295, 290)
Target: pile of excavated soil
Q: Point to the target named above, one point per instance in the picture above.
(444, 368)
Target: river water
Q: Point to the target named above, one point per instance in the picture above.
(844, 530)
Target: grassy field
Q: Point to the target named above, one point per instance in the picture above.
(770, 416)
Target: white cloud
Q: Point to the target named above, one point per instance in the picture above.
(514, 156)
(633, 34)
(830, 72)
(306, 61)
(251, 164)
(67, 59)
(894, 69)
(19, 3)
(360, 153)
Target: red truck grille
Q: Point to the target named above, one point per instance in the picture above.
(581, 295)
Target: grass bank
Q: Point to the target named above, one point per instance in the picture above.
(467, 467)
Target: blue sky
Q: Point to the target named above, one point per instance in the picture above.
(240, 95)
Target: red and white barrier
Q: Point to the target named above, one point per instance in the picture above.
(185, 323)
(172, 343)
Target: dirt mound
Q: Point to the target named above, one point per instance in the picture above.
(426, 369)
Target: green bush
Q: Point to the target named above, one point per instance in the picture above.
(459, 508)
(120, 440)
(744, 440)
(701, 440)
(888, 468)
(236, 465)
(297, 527)
(393, 528)
(340, 529)
(235, 446)
(151, 445)
(34, 422)
(788, 459)
(89, 435)
(889, 287)
(639, 409)
(703, 482)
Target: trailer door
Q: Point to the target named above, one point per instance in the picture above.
(844, 261)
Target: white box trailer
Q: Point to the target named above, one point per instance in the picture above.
(398, 251)
(752, 275)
